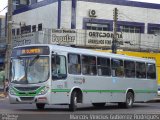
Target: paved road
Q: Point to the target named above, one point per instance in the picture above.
(58, 111)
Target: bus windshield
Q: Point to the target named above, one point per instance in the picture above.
(30, 70)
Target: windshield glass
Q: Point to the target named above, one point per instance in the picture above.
(30, 70)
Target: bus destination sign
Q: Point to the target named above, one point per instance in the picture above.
(32, 50)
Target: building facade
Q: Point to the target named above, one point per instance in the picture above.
(138, 23)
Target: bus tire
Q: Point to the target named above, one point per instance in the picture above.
(129, 101)
(73, 102)
(98, 104)
(40, 106)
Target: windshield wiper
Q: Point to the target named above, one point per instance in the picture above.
(34, 60)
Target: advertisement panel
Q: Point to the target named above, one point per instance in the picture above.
(63, 36)
(102, 38)
(24, 39)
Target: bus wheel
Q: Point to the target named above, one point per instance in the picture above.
(73, 103)
(129, 101)
(40, 106)
(98, 104)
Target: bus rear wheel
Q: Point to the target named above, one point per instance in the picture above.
(40, 106)
(129, 101)
(73, 102)
(98, 104)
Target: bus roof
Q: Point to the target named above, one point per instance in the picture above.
(90, 52)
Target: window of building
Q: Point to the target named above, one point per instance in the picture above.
(74, 66)
(97, 26)
(13, 32)
(34, 28)
(89, 65)
(140, 70)
(129, 69)
(154, 30)
(25, 29)
(130, 29)
(151, 71)
(18, 31)
(117, 68)
(32, 2)
(103, 66)
(40, 27)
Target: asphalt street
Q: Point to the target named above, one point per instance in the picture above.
(57, 112)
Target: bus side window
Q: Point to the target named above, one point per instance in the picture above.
(59, 67)
(74, 66)
(129, 69)
(151, 71)
(89, 65)
(117, 68)
(140, 70)
(103, 66)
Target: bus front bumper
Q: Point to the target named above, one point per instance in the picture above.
(28, 99)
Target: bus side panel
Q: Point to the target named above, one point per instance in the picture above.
(107, 89)
(59, 93)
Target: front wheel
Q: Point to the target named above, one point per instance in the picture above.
(73, 102)
(40, 106)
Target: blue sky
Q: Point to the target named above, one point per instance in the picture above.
(3, 4)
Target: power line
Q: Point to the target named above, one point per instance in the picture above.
(4, 8)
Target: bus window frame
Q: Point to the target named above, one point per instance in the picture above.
(130, 69)
(141, 72)
(105, 66)
(116, 67)
(80, 64)
(155, 71)
(88, 74)
(61, 78)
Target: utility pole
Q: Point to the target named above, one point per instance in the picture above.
(9, 39)
(114, 41)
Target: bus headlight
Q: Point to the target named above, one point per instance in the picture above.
(12, 92)
(44, 91)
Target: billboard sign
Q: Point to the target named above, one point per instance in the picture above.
(63, 36)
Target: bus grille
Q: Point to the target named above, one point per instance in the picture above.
(27, 88)
(27, 98)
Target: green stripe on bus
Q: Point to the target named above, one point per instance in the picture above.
(115, 91)
(60, 90)
(105, 91)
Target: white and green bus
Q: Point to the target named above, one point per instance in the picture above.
(52, 74)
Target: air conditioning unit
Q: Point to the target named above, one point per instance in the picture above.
(92, 13)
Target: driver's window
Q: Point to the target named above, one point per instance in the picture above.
(59, 67)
